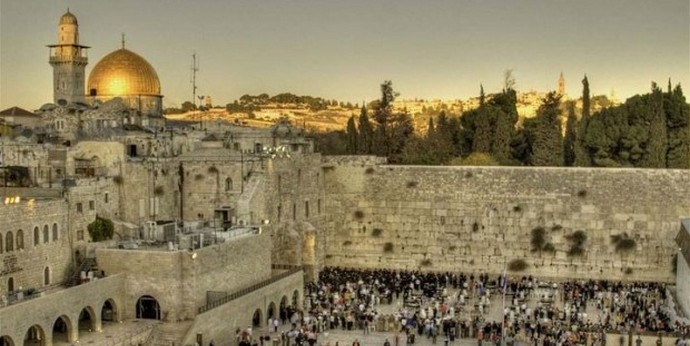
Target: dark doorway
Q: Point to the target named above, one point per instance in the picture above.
(132, 150)
(86, 320)
(271, 311)
(61, 329)
(148, 308)
(6, 341)
(256, 319)
(35, 336)
(108, 311)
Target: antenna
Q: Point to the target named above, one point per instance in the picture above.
(195, 69)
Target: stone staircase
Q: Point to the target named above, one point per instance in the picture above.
(86, 265)
(169, 334)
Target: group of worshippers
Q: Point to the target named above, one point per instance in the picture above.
(349, 299)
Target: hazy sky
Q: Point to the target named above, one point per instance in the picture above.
(344, 49)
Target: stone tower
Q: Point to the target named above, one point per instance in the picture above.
(561, 85)
(69, 60)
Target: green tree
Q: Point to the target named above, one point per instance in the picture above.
(366, 133)
(658, 136)
(678, 118)
(570, 137)
(100, 229)
(505, 116)
(475, 159)
(352, 136)
(582, 156)
(188, 106)
(481, 140)
(547, 148)
(383, 116)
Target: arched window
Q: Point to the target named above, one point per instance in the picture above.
(2, 248)
(10, 285)
(55, 232)
(9, 242)
(45, 234)
(46, 276)
(37, 236)
(228, 184)
(20, 239)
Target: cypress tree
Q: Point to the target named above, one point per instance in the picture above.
(657, 144)
(366, 133)
(505, 116)
(547, 148)
(352, 136)
(678, 117)
(481, 141)
(582, 157)
(570, 137)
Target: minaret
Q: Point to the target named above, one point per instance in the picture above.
(69, 60)
(561, 85)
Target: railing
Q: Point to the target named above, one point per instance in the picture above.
(232, 296)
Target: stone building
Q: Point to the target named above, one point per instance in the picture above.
(683, 267)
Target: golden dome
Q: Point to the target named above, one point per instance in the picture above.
(68, 18)
(123, 73)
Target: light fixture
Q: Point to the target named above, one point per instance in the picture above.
(193, 255)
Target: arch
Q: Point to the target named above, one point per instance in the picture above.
(10, 284)
(35, 336)
(62, 329)
(271, 310)
(109, 311)
(148, 308)
(87, 319)
(5, 340)
(283, 302)
(45, 234)
(256, 318)
(9, 242)
(37, 236)
(20, 239)
(228, 184)
(55, 232)
(46, 276)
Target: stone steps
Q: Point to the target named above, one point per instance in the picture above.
(169, 334)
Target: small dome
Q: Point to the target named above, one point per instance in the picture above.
(68, 18)
(123, 73)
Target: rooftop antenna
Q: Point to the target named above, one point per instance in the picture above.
(123, 40)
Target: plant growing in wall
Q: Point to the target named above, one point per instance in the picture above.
(158, 191)
(426, 263)
(628, 271)
(582, 193)
(475, 227)
(577, 241)
(118, 180)
(199, 177)
(538, 239)
(212, 170)
(412, 184)
(100, 229)
(369, 170)
(555, 228)
(358, 214)
(347, 243)
(622, 242)
(517, 208)
(377, 232)
(517, 265)
(388, 247)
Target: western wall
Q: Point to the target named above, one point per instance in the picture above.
(479, 219)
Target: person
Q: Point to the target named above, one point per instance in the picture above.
(356, 343)
(386, 343)
(638, 342)
(211, 343)
(275, 325)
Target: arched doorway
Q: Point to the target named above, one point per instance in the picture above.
(46, 276)
(109, 311)
(87, 322)
(148, 308)
(284, 313)
(10, 285)
(256, 319)
(61, 329)
(35, 336)
(271, 310)
(6, 341)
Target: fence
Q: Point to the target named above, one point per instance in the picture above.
(232, 296)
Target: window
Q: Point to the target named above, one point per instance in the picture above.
(2, 249)
(46, 276)
(92, 205)
(294, 211)
(80, 235)
(299, 175)
(105, 198)
(79, 208)
(318, 206)
(20, 240)
(306, 209)
(10, 285)
(9, 242)
(228, 184)
(45, 234)
(55, 232)
(37, 236)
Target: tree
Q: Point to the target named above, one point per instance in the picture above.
(570, 137)
(100, 229)
(658, 136)
(366, 133)
(351, 136)
(505, 116)
(508, 80)
(582, 157)
(383, 116)
(475, 159)
(482, 97)
(188, 106)
(678, 119)
(481, 141)
(547, 148)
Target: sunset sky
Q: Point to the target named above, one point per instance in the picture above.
(344, 49)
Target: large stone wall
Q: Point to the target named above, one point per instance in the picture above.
(476, 219)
